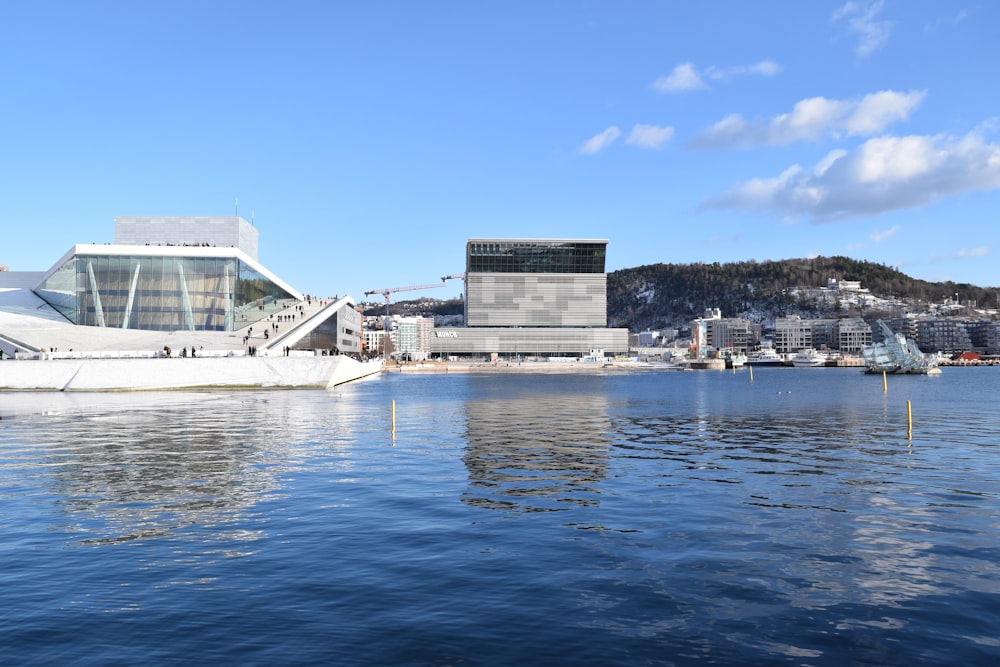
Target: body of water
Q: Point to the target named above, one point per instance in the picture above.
(649, 518)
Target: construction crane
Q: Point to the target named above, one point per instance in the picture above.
(386, 291)
(465, 286)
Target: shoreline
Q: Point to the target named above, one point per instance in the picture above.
(159, 373)
(572, 367)
(576, 367)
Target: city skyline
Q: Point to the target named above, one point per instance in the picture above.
(368, 143)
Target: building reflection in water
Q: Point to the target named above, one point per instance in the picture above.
(822, 495)
(136, 467)
(538, 452)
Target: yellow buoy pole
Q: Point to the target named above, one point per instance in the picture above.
(751, 372)
(885, 383)
(909, 421)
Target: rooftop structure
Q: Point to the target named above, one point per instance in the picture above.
(219, 231)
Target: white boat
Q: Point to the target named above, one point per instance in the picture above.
(734, 359)
(765, 356)
(809, 358)
(898, 354)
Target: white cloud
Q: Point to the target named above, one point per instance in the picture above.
(813, 119)
(649, 136)
(894, 159)
(599, 142)
(762, 68)
(949, 20)
(809, 120)
(733, 130)
(862, 20)
(884, 174)
(880, 235)
(876, 111)
(964, 253)
(981, 251)
(685, 77)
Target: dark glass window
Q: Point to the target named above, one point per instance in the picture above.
(535, 257)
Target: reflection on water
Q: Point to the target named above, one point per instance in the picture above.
(835, 502)
(669, 518)
(727, 447)
(127, 477)
(536, 452)
(143, 466)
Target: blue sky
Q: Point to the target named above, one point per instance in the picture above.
(370, 140)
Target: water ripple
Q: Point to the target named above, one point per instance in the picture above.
(630, 519)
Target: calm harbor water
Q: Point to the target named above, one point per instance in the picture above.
(650, 518)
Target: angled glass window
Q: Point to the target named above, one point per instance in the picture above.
(60, 290)
(162, 293)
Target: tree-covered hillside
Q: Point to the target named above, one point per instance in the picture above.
(671, 295)
(661, 295)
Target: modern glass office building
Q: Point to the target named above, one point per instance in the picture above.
(533, 297)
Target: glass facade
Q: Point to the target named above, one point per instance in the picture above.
(340, 333)
(162, 293)
(533, 256)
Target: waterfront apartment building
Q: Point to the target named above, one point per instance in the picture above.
(824, 333)
(849, 335)
(985, 336)
(853, 335)
(716, 333)
(792, 334)
(904, 325)
(950, 336)
(730, 333)
(535, 298)
(372, 340)
(413, 337)
(947, 336)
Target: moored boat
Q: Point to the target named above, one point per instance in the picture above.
(765, 356)
(809, 358)
(734, 359)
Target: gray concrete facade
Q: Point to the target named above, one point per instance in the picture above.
(541, 300)
(527, 342)
(533, 298)
(180, 230)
